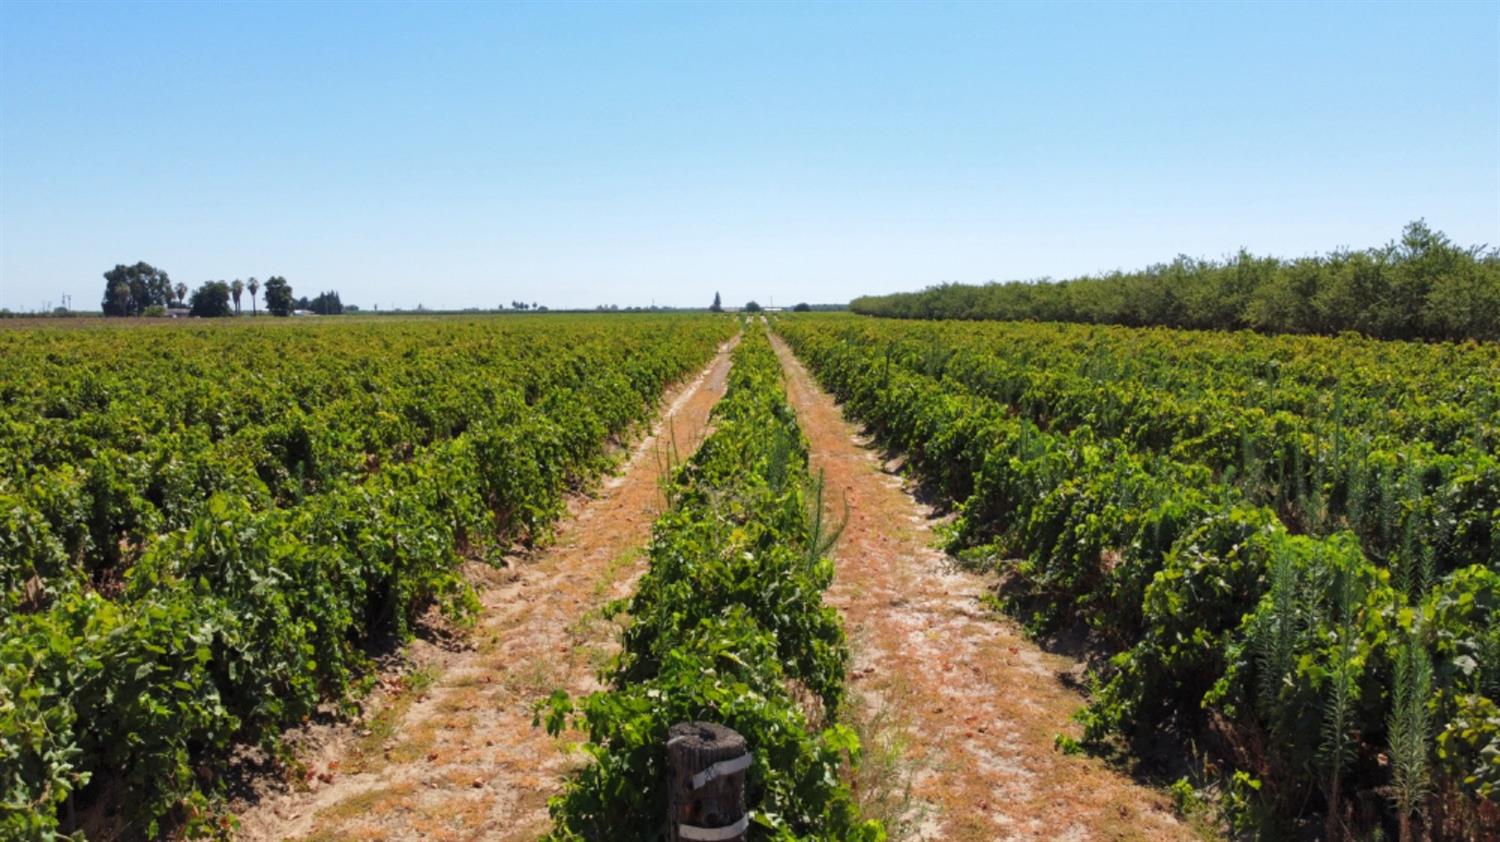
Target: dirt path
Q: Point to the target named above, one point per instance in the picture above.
(959, 710)
(451, 753)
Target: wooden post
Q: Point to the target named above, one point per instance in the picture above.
(706, 784)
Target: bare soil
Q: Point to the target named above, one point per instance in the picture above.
(448, 751)
(958, 710)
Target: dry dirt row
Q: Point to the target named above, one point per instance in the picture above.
(450, 752)
(958, 709)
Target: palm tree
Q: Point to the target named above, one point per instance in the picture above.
(181, 290)
(254, 287)
(235, 288)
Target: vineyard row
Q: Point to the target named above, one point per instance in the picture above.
(1325, 677)
(204, 533)
(726, 622)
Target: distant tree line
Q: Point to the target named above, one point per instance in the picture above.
(1420, 287)
(325, 304)
(143, 290)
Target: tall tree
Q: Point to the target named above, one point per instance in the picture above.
(117, 299)
(717, 306)
(278, 296)
(254, 287)
(236, 288)
(182, 290)
(211, 300)
(143, 286)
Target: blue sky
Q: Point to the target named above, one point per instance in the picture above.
(472, 154)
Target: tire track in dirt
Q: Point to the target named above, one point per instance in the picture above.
(957, 708)
(455, 756)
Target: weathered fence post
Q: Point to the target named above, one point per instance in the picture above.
(706, 784)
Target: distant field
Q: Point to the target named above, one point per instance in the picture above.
(263, 320)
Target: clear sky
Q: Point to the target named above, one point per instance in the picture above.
(472, 154)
